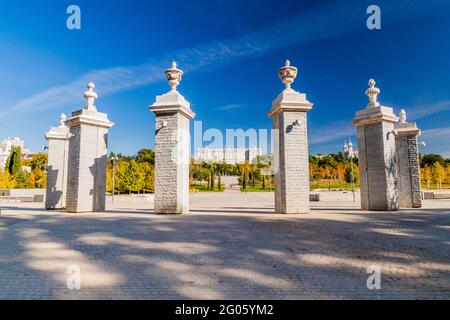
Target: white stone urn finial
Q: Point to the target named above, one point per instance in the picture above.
(90, 96)
(62, 120)
(373, 93)
(287, 74)
(402, 116)
(174, 76)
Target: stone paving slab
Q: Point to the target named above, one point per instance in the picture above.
(231, 246)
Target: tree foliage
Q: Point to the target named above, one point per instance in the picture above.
(430, 159)
(14, 161)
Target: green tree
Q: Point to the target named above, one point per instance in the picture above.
(431, 158)
(129, 176)
(14, 161)
(219, 182)
(146, 155)
(328, 162)
(348, 173)
(148, 171)
(38, 161)
(21, 179)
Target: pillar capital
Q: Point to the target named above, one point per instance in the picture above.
(172, 102)
(89, 117)
(374, 112)
(57, 133)
(407, 129)
(372, 92)
(374, 115)
(90, 97)
(289, 99)
(404, 128)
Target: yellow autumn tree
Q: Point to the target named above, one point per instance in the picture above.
(438, 174)
(7, 181)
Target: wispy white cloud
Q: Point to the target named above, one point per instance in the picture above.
(428, 110)
(339, 130)
(328, 20)
(230, 107)
(438, 133)
(437, 140)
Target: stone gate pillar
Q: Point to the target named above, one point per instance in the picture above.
(290, 146)
(58, 148)
(407, 153)
(376, 153)
(88, 143)
(173, 113)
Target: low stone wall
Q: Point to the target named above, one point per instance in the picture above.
(327, 195)
(22, 195)
(146, 198)
(438, 194)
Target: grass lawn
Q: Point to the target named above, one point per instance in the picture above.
(323, 184)
(332, 184)
(201, 187)
(258, 188)
(435, 186)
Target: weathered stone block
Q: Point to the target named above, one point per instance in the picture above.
(58, 148)
(407, 153)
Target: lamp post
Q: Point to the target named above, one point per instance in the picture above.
(349, 154)
(113, 160)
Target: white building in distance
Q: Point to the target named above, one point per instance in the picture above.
(348, 150)
(5, 150)
(228, 155)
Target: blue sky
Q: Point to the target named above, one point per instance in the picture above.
(230, 51)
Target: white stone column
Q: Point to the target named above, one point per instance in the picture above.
(87, 157)
(291, 161)
(58, 148)
(376, 153)
(173, 113)
(407, 153)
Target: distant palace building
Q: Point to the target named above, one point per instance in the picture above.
(228, 155)
(5, 150)
(348, 150)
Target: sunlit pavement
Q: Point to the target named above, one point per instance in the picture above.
(231, 246)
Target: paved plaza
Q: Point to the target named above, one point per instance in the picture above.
(231, 246)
